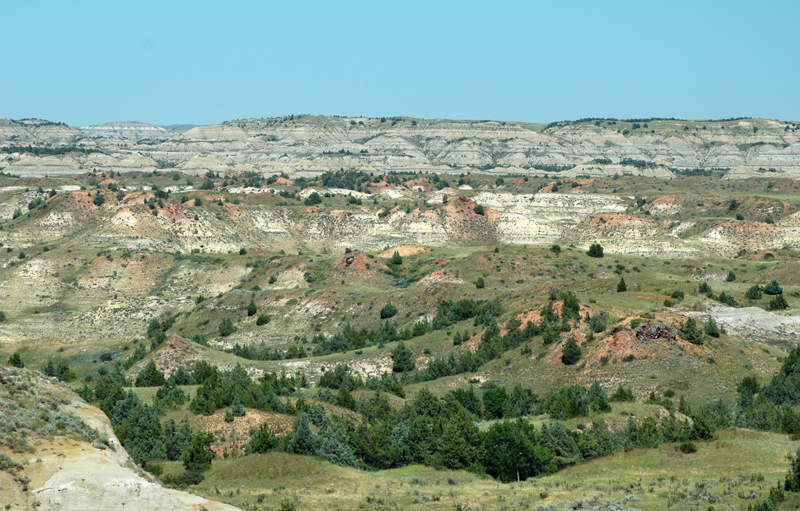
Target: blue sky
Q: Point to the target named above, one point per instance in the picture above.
(176, 62)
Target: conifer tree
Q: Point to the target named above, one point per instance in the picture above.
(198, 457)
(338, 453)
(304, 440)
(754, 293)
(778, 303)
(226, 327)
(15, 360)
(623, 394)
(792, 481)
(403, 360)
(262, 440)
(397, 258)
(683, 406)
(345, 399)
(711, 327)
(598, 399)
(237, 408)
(595, 250)
(571, 353)
(150, 376)
(690, 332)
(773, 288)
(177, 439)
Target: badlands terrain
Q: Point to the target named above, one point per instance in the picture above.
(296, 245)
(310, 144)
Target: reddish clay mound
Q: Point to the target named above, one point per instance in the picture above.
(80, 201)
(356, 264)
(355, 261)
(233, 436)
(667, 205)
(461, 205)
(418, 184)
(668, 200)
(645, 341)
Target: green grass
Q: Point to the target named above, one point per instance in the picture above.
(739, 462)
(520, 276)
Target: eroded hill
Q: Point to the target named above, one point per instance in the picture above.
(670, 285)
(57, 452)
(310, 144)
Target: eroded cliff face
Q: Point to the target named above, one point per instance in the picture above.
(83, 469)
(540, 218)
(310, 144)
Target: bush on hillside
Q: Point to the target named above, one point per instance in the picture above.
(226, 327)
(595, 250)
(388, 311)
(690, 332)
(572, 352)
(773, 288)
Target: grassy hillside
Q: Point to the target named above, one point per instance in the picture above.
(474, 283)
(731, 471)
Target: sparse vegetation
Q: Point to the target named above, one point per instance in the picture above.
(406, 366)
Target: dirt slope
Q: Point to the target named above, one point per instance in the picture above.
(71, 473)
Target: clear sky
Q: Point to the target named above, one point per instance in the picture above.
(199, 62)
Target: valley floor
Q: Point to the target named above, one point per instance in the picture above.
(731, 472)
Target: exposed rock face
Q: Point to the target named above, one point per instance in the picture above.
(541, 218)
(131, 130)
(309, 144)
(76, 475)
(754, 323)
(653, 330)
(35, 131)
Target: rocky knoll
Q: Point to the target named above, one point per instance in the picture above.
(79, 467)
(315, 144)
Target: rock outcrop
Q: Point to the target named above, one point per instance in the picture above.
(309, 144)
(74, 473)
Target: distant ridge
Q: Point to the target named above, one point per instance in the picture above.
(309, 145)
